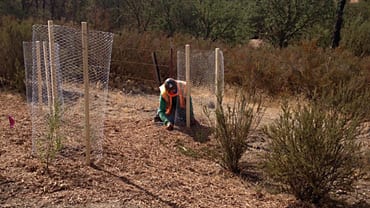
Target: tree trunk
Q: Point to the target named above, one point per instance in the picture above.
(52, 9)
(338, 24)
(37, 5)
(43, 9)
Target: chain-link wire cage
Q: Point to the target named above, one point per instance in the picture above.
(38, 92)
(203, 77)
(28, 64)
(56, 80)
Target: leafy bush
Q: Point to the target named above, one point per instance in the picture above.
(12, 34)
(351, 98)
(233, 126)
(356, 37)
(313, 152)
(296, 70)
(356, 28)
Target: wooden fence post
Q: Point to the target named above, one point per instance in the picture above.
(188, 83)
(39, 75)
(86, 84)
(47, 76)
(54, 93)
(217, 87)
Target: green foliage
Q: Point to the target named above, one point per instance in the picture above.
(220, 20)
(233, 126)
(356, 28)
(356, 37)
(52, 142)
(351, 98)
(140, 14)
(234, 22)
(214, 20)
(286, 20)
(12, 35)
(314, 152)
(301, 68)
(11, 7)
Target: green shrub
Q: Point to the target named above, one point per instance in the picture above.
(52, 142)
(233, 126)
(356, 37)
(351, 98)
(355, 33)
(295, 70)
(12, 34)
(313, 152)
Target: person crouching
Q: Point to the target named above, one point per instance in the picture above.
(172, 104)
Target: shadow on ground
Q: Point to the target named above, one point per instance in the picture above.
(128, 181)
(199, 132)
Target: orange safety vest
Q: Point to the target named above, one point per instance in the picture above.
(181, 91)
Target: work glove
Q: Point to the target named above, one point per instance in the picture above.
(169, 126)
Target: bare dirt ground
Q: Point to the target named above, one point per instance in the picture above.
(143, 165)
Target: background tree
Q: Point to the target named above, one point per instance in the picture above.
(280, 22)
(285, 20)
(219, 19)
(338, 24)
(214, 20)
(169, 15)
(255, 19)
(140, 12)
(12, 7)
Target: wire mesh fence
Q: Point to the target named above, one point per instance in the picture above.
(142, 65)
(55, 80)
(204, 76)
